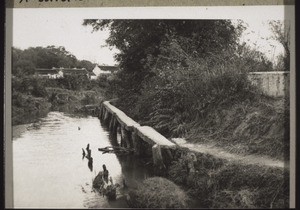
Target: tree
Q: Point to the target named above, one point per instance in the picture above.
(25, 61)
(141, 42)
(86, 64)
(281, 33)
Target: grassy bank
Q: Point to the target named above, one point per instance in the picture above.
(27, 108)
(222, 184)
(241, 120)
(33, 98)
(259, 127)
(211, 101)
(224, 110)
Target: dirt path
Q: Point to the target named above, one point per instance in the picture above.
(219, 153)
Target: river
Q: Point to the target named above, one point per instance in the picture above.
(49, 171)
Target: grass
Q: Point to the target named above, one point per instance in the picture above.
(258, 127)
(222, 184)
(157, 192)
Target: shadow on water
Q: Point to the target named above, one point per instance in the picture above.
(134, 169)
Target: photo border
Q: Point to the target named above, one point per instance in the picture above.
(133, 3)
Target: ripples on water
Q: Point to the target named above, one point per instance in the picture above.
(48, 169)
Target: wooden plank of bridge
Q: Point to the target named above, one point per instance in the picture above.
(122, 118)
(151, 136)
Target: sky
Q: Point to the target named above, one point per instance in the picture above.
(63, 27)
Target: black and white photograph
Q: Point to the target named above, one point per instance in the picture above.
(158, 107)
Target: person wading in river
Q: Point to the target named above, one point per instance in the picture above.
(105, 173)
(105, 178)
(89, 152)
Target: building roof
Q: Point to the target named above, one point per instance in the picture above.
(64, 70)
(109, 68)
(46, 71)
(74, 71)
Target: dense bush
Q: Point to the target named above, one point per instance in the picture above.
(181, 94)
(157, 192)
(73, 82)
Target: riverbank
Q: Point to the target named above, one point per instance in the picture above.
(17, 130)
(231, 184)
(227, 180)
(28, 109)
(251, 127)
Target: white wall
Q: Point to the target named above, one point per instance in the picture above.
(274, 83)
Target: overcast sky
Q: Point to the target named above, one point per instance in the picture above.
(63, 26)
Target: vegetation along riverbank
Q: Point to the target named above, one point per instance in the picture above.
(34, 97)
(185, 83)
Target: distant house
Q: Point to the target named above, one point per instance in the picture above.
(49, 73)
(103, 70)
(75, 71)
(92, 75)
(60, 72)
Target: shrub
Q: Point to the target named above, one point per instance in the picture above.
(157, 192)
(88, 99)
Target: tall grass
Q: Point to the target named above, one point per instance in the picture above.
(181, 94)
(208, 100)
(222, 184)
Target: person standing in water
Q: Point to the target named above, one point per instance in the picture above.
(105, 173)
(89, 152)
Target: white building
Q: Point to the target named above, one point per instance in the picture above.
(103, 70)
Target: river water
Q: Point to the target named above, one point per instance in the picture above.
(49, 171)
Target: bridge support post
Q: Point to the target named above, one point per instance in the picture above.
(157, 157)
(136, 143)
(100, 113)
(111, 122)
(125, 137)
(114, 129)
(106, 117)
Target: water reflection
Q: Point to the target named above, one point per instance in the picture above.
(90, 164)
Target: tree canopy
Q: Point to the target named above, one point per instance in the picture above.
(281, 33)
(141, 42)
(25, 61)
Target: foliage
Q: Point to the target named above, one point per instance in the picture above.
(254, 59)
(184, 88)
(139, 42)
(157, 192)
(29, 85)
(89, 99)
(74, 82)
(180, 94)
(30, 98)
(223, 184)
(25, 61)
(26, 108)
(175, 72)
(281, 33)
